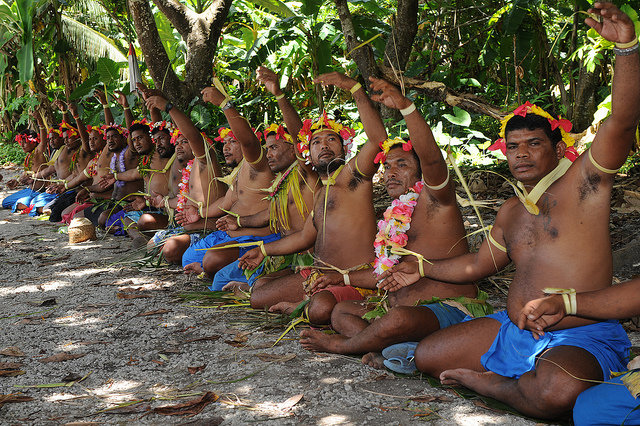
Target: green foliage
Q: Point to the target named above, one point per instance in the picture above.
(10, 152)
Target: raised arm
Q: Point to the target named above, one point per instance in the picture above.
(434, 168)
(291, 117)
(82, 129)
(102, 98)
(42, 132)
(613, 141)
(124, 103)
(369, 116)
(251, 148)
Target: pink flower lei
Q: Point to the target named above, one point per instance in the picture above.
(392, 229)
(183, 186)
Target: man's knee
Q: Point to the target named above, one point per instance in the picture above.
(258, 299)
(146, 222)
(320, 307)
(172, 251)
(397, 322)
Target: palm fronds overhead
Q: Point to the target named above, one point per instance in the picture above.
(89, 43)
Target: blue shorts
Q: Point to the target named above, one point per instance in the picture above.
(447, 315)
(233, 272)
(515, 351)
(607, 404)
(195, 252)
(160, 237)
(116, 221)
(23, 196)
(41, 200)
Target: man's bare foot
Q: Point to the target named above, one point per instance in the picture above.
(193, 268)
(374, 359)
(284, 307)
(236, 285)
(317, 341)
(474, 380)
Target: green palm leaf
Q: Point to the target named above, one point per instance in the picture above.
(90, 43)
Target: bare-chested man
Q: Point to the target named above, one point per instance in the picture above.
(203, 186)
(559, 212)
(436, 230)
(342, 228)
(294, 180)
(244, 197)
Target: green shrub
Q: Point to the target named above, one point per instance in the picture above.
(10, 152)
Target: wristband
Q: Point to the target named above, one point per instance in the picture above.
(280, 96)
(126, 108)
(115, 175)
(346, 279)
(76, 117)
(625, 52)
(263, 250)
(408, 110)
(226, 104)
(238, 220)
(66, 185)
(168, 107)
(627, 44)
(355, 88)
(568, 297)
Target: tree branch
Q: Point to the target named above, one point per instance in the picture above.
(180, 16)
(405, 28)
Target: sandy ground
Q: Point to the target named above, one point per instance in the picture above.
(135, 341)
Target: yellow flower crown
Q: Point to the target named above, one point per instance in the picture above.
(386, 145)
(323, 123)
(280, 132)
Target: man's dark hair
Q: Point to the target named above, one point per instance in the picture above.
(157, 129)
(138, 126)
(533, 122)
(413, 152)
(30, 133)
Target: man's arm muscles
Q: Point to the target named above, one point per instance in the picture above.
(294, 243)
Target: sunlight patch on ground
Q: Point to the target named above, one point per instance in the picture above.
(116, 391)
(333, 419)
(33, 288)
(81, 247)
(83, 272)
(61, 397)
(330, 380)
(78, 319)
(470, 419)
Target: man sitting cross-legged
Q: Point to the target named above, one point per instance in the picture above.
(435, 229)
(290, 195)
(198, 180)
(342, 226)
(560, 209)
(243, 198)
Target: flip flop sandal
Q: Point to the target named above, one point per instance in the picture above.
(400, 357)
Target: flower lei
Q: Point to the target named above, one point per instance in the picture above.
(386, 145)
(174, 136)
(223, 132)
(120, 165)
(53, 131)
(27, 161)
(310, 128)
(274, 189)
(74, 160)
(118, 128)
(145, 161)
(392, 230)
(183, 186)
(93, 165)
(162, 125)
(24, 139)
(279, 131)
(527, 108)
(68, 128)
(91, 128)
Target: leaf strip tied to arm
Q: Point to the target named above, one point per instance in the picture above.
(568, 296)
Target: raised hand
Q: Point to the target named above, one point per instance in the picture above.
(122, 99)
(102, 98)
(212, 95)
(156, 101)
(336, 79)
(402, 275)
(73, 108)
(270, 80)
(251, 259)
(331, 279)
(147, 93)
(389, 95)
(62, 106)
(188, 215)
(539, 314)
(615, 25)
(227, 223)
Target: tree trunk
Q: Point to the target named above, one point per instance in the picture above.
(584, 104)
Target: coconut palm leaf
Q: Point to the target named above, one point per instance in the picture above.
(90, 43)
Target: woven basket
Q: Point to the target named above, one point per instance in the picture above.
(81, 229)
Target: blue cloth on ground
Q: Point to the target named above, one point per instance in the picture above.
(606, 404)
(194, 254)
(514, 351)
(163, 235)
(233, 272)
(41, 200)
(447, 315)
(115, 221)
(23, 196)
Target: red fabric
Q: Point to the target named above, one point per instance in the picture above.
(343, 293)
(66, 218)
(305, 272)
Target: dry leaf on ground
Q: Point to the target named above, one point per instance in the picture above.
(156, 312)
(63, 356)
(12, 398)
(12, 351)
(194, 370)
(290, 403)
(129, 295)
(10, 369)
(430, 398)
(275, 358)
(189, 408)
(238, 340)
